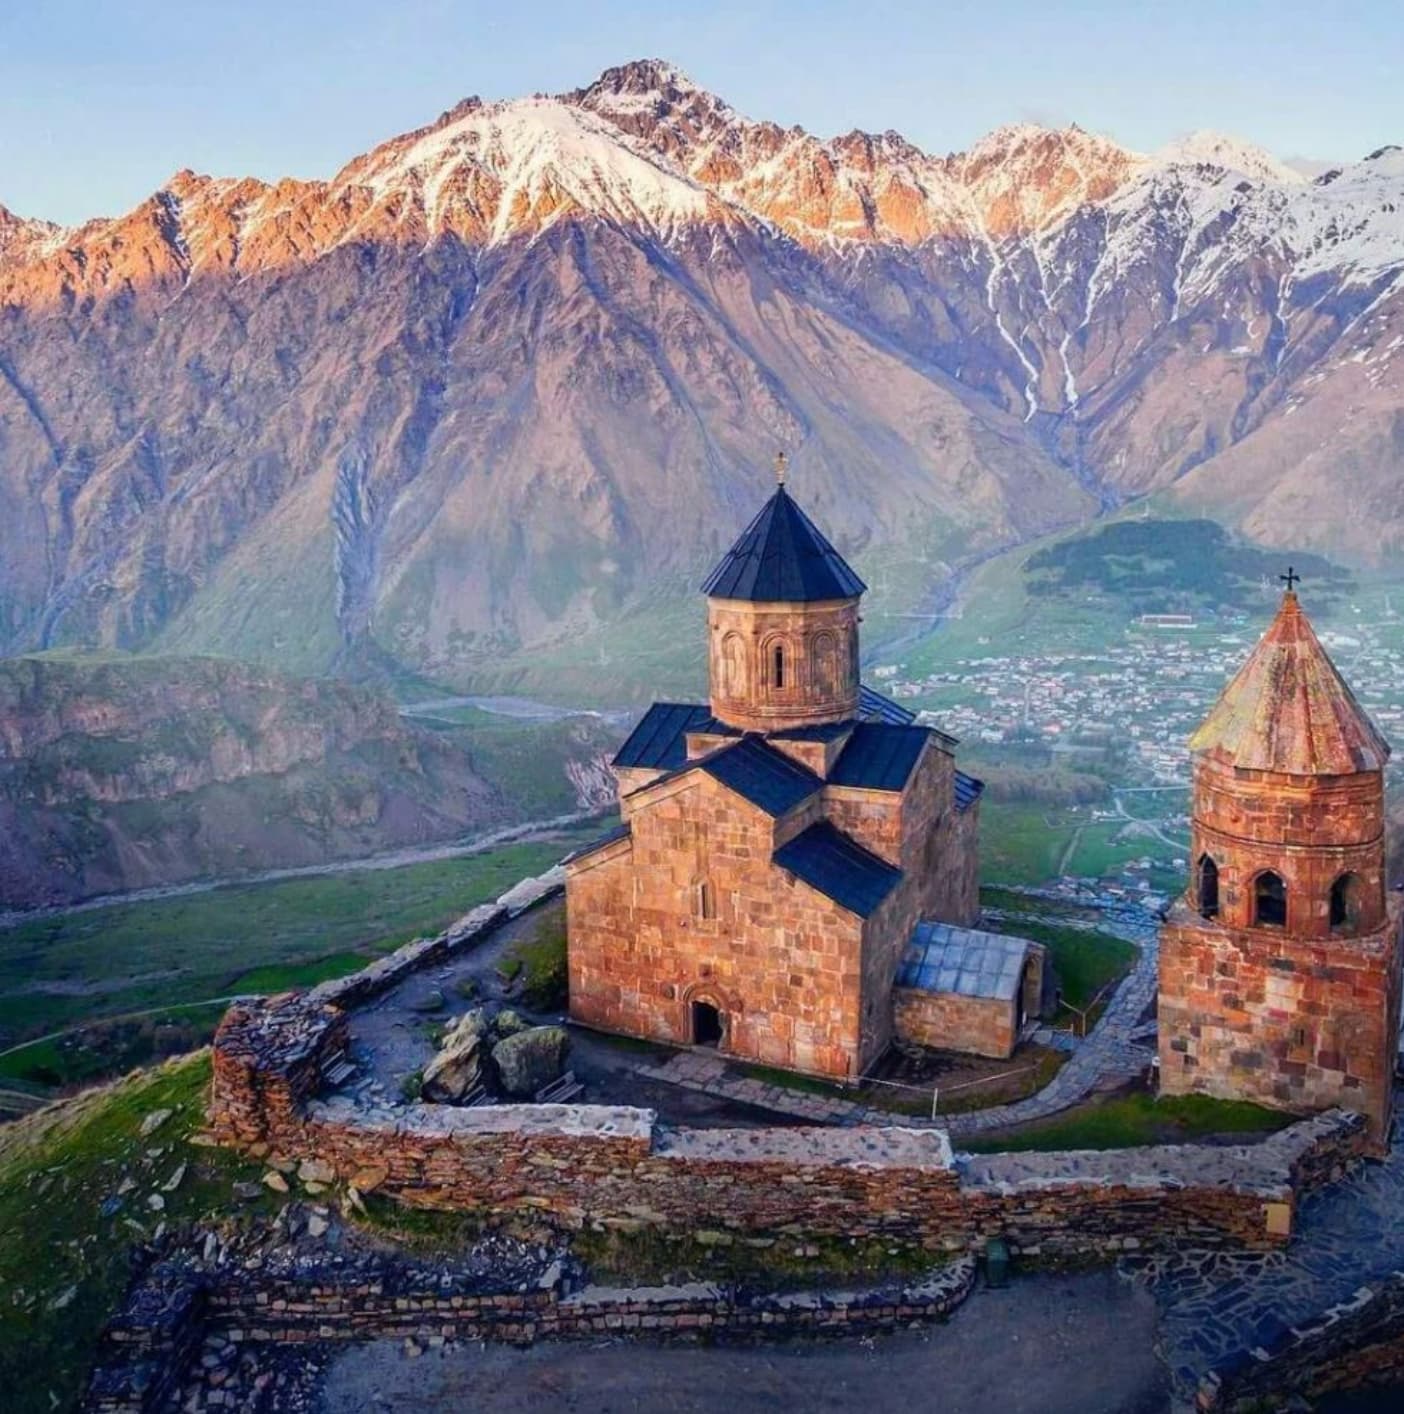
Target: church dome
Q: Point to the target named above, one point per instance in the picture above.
(782, 557)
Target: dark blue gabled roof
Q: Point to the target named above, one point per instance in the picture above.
(782, 556)
(619, 832)
(839, 867)
(874, 707)
(968, 789)
(879, 756)
(660, 739)
(757, 772)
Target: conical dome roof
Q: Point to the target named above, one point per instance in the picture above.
(782, 557)
(1289, 710)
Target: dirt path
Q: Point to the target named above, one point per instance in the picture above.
(1046, 1345)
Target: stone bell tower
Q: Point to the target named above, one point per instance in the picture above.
(1280, 965)
(782, 624)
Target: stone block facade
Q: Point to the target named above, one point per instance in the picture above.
(980, 1026)
(1295, 1023)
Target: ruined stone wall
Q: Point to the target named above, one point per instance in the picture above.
(579, 1165)
(150, 1342)
(1259, 1014)
(779, 960)
(1356, 1344)
(983, 1026)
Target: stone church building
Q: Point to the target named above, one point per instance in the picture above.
(782, 842)
(1280, 966)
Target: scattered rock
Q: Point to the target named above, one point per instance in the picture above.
(367, 1180)
(175, 1180)
(316, 1171)
(429, 1003)
(509, 1022)
(530, 1059)
(317, 1226)
(247, 1191)
(457, 1068)
(274, 1180)
(155, 1202)
(153, 1122)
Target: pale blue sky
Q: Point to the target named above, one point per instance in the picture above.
(101, 102)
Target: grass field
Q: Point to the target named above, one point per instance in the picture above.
(110, 962)
(1125, 1121)
(65, 1231)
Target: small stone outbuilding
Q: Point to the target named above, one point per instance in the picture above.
(959, 989)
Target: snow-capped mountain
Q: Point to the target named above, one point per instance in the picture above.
(496, 379)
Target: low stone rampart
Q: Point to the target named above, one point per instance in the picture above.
(148, 1346)
(1353, 1345)
(618, 1167)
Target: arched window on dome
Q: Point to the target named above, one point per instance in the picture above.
(1269, 900)
(1346, 895)
(1208, 889)
(824, 653)
(776, 667)
(733, 657)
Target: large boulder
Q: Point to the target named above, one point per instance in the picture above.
(528, 1060)
(458, 1068)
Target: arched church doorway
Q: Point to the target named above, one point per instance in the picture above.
(707, 1027)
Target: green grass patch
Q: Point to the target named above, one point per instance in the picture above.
(791, 1080)
(63, 1260)
(426, 1230)
(1085, 962)
(242, 938)
(631, 1254)
(1126, 1121)
(540, 961)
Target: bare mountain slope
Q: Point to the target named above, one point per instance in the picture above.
(507, 378)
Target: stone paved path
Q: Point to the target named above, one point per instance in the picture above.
(1109, 1056)
(1214, 1305)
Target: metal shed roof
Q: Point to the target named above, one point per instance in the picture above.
(941, 957)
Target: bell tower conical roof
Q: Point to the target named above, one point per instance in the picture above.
(1288, 709)
(782, 557)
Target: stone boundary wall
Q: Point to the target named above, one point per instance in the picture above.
(1352, 1345)
(148, 1346)
(618, 1167)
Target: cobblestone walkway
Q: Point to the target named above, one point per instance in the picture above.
(1109, 1056)
(1214, 1305)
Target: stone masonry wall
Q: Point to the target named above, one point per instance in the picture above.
(1260, 1014)
(150, 1342)
(779, 960)
(579, 1165)
(982, 1026)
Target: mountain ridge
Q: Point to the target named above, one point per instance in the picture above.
(503, 379)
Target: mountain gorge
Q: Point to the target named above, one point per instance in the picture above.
(504, 382)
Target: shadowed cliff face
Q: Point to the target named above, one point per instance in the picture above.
(140, 772)
(509, 380)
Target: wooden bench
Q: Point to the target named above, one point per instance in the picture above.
(560, 1092)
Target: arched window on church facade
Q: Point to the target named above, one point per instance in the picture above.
(1208, 887)
(704, 900)
(1269, 900)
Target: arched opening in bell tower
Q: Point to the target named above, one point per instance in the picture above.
(1345, 904)
(1208, 887)
(1269, 900)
